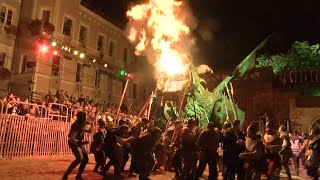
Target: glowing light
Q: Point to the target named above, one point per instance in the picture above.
(75, 53)
(55, 53)
(54, 43)
(105, 65)
(81, 55)
(159, 26)
(43, 48)
(94, 60)
(66, 48)
(62, 47)
(123, 73)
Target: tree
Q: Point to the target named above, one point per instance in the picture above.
(300, 57)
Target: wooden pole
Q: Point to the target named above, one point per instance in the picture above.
(225, 105)
(232, 104)
(232, 96)
(233, 108)
(181, 104)
(121, 100)
(150, 104)
(143, 108)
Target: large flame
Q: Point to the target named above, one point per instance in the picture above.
(156, 26)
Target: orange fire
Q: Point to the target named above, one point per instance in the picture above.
(156, 26)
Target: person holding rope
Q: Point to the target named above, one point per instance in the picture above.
(76, 143)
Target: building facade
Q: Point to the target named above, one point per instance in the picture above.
(9, 18)
(64, 45)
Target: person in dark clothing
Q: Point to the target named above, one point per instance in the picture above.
(76, 144)
(188, 151)
(113, 146)
(99, 154)
(144, 147)
(135, 132)
(232, 162)
(175, 145)
(208, 144)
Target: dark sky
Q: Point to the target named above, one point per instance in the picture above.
(237, 26)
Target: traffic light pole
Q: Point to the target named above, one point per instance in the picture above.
(121, 100)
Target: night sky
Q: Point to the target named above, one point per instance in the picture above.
(238, 26)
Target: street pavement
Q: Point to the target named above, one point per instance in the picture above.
(51, 168)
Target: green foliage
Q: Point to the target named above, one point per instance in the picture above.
(300, 57)
(311, 93)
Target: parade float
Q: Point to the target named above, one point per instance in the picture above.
(161, 31)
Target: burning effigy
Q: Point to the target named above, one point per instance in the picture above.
(161, 31)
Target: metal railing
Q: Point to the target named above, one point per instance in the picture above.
(60, 114)
(15, 104)
(26, 137)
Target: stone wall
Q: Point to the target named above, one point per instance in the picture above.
(302, 118)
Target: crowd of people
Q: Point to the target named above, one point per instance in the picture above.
(61, 105)
(180, 146)
(186, 149)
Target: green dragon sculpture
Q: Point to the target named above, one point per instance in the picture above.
(205, 105)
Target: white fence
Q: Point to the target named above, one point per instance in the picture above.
(24, 137)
